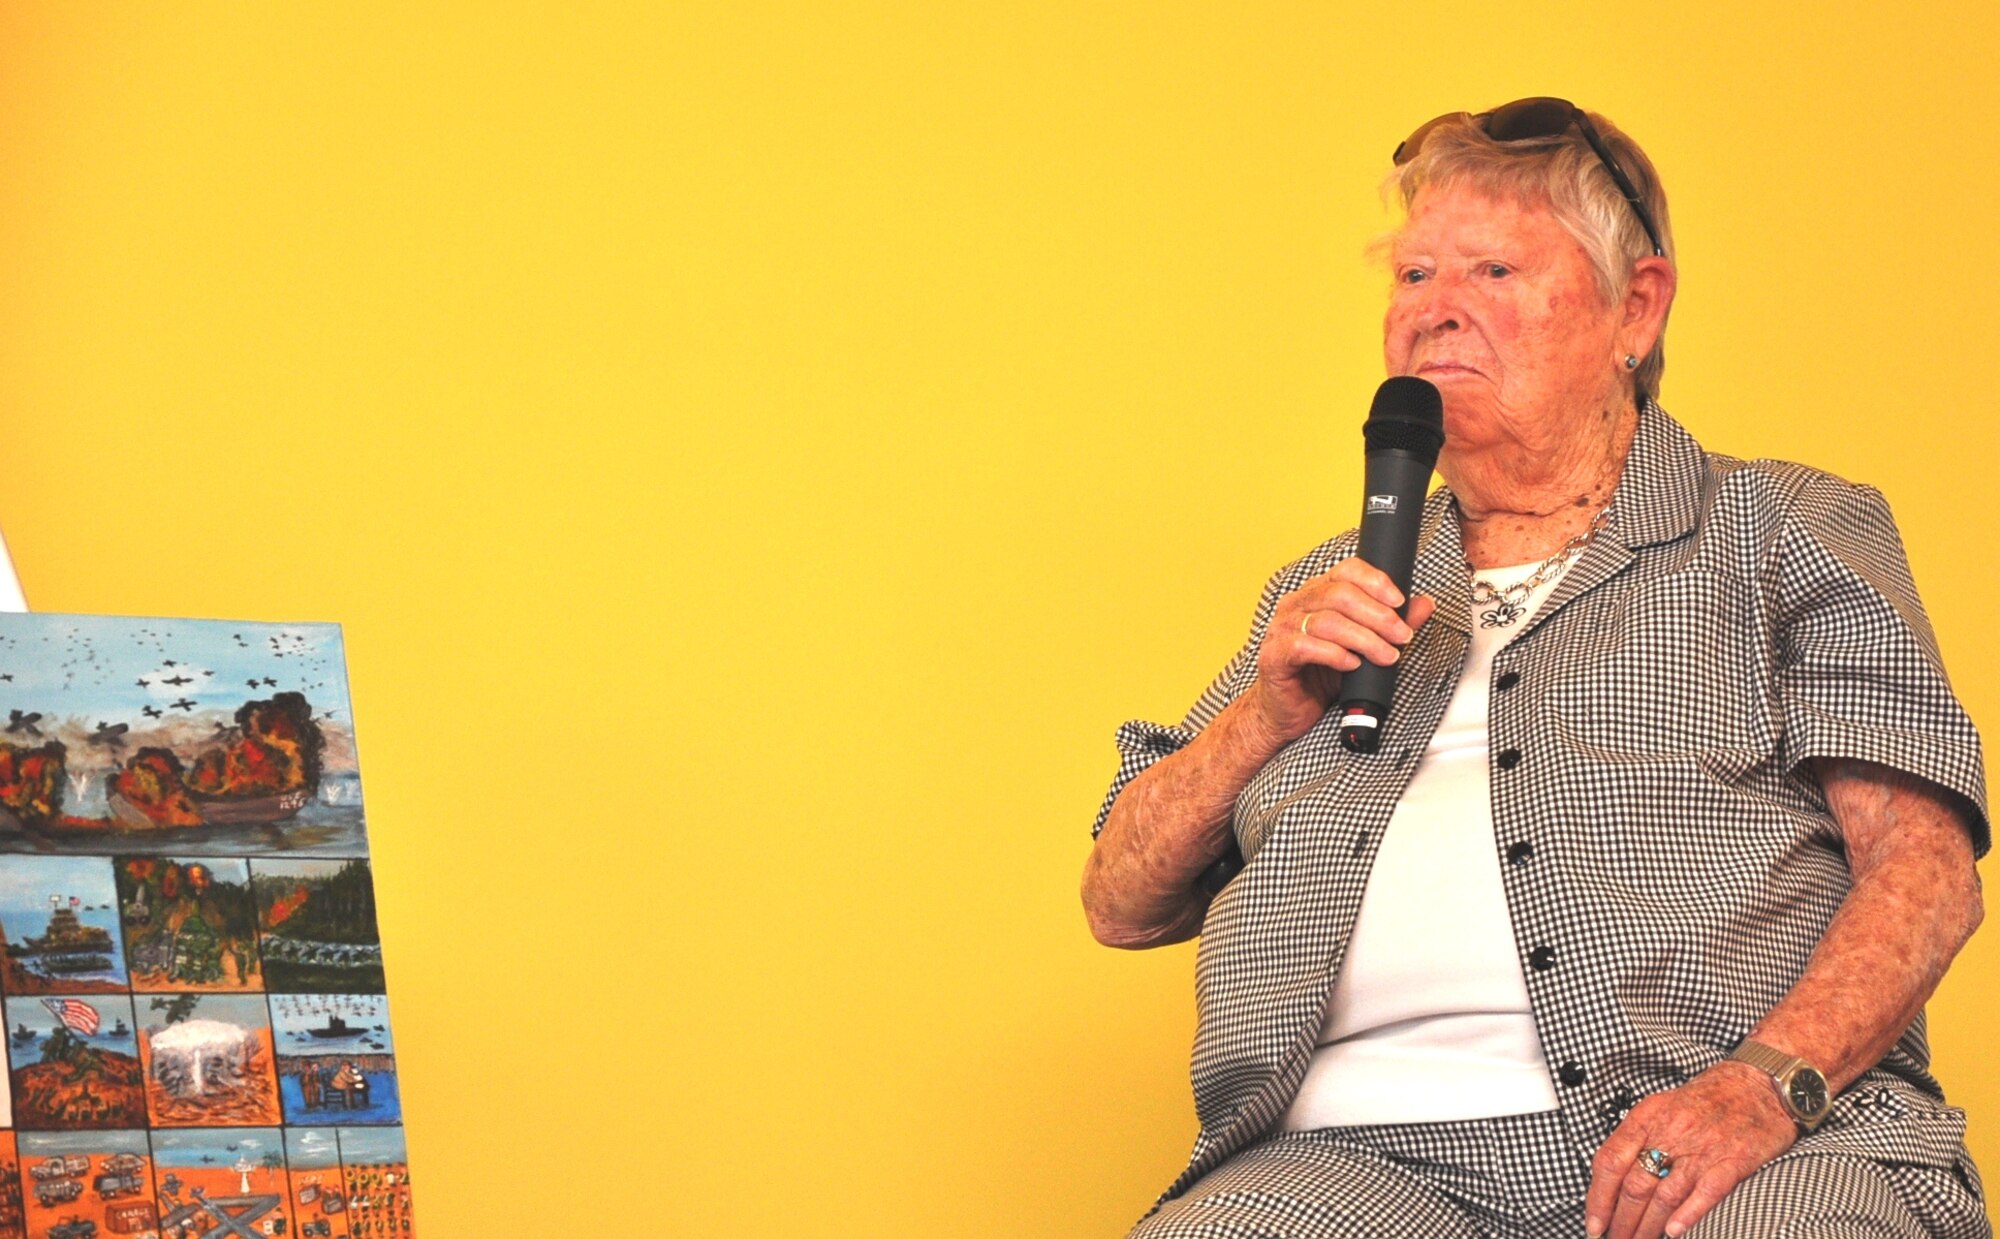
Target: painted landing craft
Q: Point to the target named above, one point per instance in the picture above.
(69, 945)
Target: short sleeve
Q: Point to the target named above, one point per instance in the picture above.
(1141, 743)
(1858, 669)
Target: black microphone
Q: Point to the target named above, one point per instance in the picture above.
(1405, 431)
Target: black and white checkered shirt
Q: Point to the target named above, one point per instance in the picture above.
(1668, 855)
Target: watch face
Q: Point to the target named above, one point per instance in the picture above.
(1808, 1092)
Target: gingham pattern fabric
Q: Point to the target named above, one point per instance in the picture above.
(1668, 856)
(1516, 1178)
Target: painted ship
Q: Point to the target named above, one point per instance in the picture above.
(69, 945)
(336, 1027)
(218, 810)
(252, 810)
(132, 817)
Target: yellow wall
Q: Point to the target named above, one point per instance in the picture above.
(759, 452)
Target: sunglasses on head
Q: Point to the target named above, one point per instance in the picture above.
(1540, 117)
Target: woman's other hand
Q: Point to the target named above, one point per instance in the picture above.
(1719, 1128)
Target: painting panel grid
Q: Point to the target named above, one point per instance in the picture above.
(197, 1029)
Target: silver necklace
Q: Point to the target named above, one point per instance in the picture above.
(1512, 599)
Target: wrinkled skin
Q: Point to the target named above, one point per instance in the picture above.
(1498, 306)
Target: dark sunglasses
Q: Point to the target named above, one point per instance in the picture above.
(1541, 117)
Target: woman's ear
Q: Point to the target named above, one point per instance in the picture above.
(1649, 294)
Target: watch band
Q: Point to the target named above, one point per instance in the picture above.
(1783, 1069)
(1767, 1059)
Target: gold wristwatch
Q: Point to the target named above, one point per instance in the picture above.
(1800, 1085)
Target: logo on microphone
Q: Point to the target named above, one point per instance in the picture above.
(1380, 505)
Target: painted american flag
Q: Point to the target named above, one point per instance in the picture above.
(78, 1016)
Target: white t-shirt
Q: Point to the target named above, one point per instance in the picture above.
(1429, 1019)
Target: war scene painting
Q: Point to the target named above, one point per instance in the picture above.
(319, 1189)
(74, 1063)
(376, 1170)
(208, 1060)
(210, 1179)
(59, 916)
(13, 1219)
(188, 924)
(336, 1062)
(191, 978)
(197, 736)
(85, 1185)
(316, 922)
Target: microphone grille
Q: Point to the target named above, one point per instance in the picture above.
(1407, 416)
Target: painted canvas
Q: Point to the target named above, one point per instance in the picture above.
(74, 1181)
(336, 1062)
(318, 1186)
(205, 738)
(13, 1217)
(208, 1061)
(376, 1170)
(75, 1063)
(316, 920)
(223, 1179)
(197, 1027)
(59, 917)
(189, 924)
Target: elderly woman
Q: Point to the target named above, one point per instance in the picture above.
(1627, 925)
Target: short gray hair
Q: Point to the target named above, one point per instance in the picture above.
(1566, 174)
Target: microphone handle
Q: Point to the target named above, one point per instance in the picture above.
(1391, 518)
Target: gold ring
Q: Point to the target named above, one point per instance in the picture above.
(1306, 623)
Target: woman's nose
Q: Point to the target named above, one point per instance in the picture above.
(1440, 307)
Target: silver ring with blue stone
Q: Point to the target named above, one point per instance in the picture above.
(1655, 1162)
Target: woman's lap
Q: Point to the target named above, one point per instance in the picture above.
(1287, 1188)
(1515, 1178)
(1829, 1197)
(1421, 1181)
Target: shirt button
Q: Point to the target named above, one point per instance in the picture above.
(1521, 853)
(1572, 1074)
(1509, 758)
(1507, 680)
(1542, 958)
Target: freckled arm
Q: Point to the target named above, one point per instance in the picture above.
(1915, 901)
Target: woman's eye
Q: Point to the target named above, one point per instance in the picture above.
(1498, 270)
(1412, 275)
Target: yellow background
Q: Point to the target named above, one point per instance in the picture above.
(759, 452)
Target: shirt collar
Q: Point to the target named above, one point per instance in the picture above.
(1657, 500)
